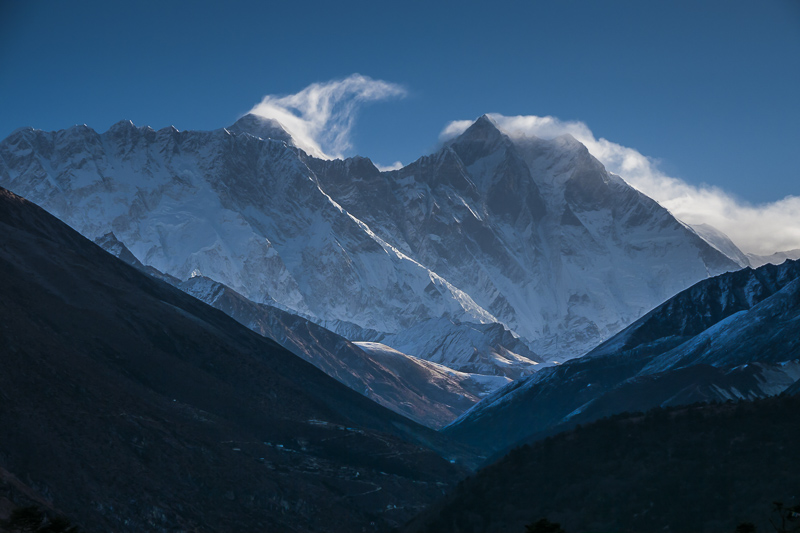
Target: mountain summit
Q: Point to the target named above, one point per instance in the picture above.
(262, 127)
(536, 231)
(530, 236)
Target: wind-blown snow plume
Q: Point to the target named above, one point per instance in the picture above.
(394, 166)
(761, 229)
(320, 117)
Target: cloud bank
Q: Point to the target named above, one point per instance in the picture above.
(321, 116)
(758, 229)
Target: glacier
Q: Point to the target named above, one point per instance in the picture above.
(491, 256)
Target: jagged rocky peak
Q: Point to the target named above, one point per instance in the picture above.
(77, 130)
(776, 259)
(257, 126)
(479, 140)
(361, 165)
(123, 132)
(483, 126)
(117, 248)
(496, 167)
(19, 132)
(357, 167)
(122, 126)
(721, 242)
(567, 142)
(74, 139)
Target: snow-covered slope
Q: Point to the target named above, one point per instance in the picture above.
(723, 243)
(733, 336)
(465, 385)
(488, 349)
(535, 231)
(776, 259)
(530, 238)
(240, 209)
(425, 392)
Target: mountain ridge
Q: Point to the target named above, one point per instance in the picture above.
(534, 235)
(733, 336)
(429, 394)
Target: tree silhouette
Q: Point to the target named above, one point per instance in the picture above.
(25, 519)
(544, 526)
(785, 519)
(31, 519)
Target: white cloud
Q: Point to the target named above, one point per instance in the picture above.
(394, 166)
(761, 229)
(321, 116)
(454, 129)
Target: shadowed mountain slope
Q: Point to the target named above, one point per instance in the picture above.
(427, 393)
(733, 336)
(128, 405)
(703, 468)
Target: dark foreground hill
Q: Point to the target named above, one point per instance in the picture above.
(689, 469)
(420, 390)
(128, 405)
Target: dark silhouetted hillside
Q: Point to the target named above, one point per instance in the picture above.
(689, 469)
(127, 405)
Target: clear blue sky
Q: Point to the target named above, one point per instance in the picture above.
(712, 89)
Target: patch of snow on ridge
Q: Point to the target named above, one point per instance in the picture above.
(478, 384)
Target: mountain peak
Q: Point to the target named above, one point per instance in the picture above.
(477, 141)
(485, 120)
(122, 125)
(257, 126)
(567, 142)
(484, 128)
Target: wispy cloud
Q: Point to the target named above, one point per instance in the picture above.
(394, 166)
(321, 116)
(755, 228)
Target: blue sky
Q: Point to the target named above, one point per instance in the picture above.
(709, 89)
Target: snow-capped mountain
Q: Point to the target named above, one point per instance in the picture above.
(242, 210)
(724, 244)
(536, 231)
(735, 336)
(425, 392)
(531, 239)
(776, 259)
(488, 349)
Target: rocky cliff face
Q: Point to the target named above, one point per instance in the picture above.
(532, 236)
(536, 231)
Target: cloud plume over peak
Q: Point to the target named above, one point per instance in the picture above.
(321, 116)
(759, 229)
(394, 166)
